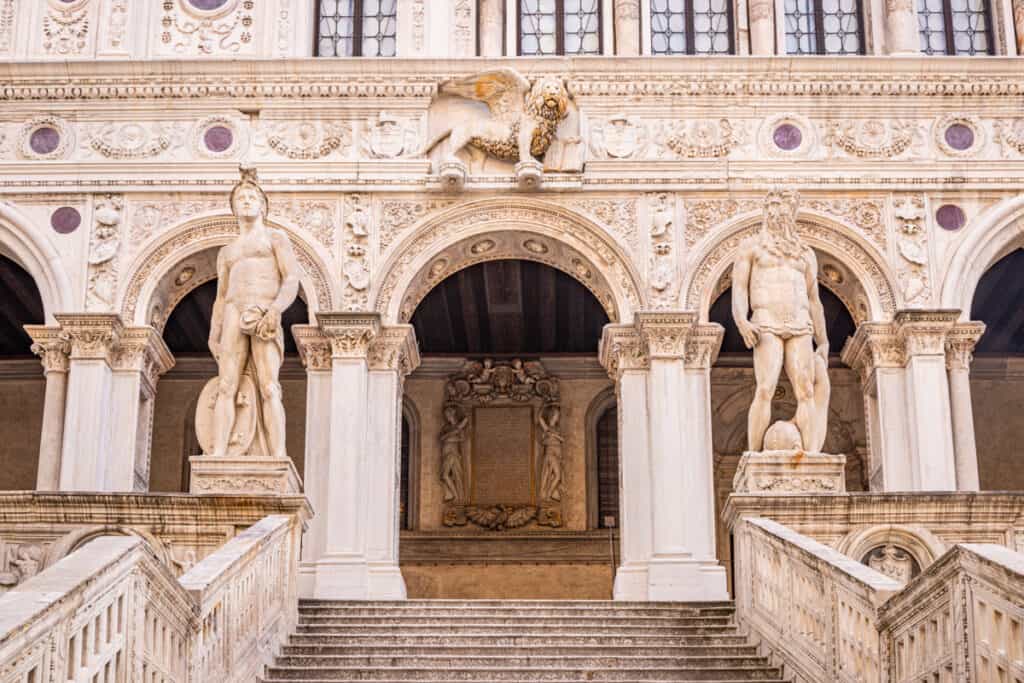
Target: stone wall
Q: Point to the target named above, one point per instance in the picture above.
(997, 391)
(21, 419)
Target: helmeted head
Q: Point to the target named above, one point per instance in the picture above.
(549, 97)
(247, 197)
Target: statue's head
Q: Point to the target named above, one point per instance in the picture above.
(248, 199)
(451, 414)
(549, 98)
(780, 207)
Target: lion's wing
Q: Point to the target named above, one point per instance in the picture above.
(502, 89)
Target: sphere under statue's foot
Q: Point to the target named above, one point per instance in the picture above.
(453, 175)
(529, 175)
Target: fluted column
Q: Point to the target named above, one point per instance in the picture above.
(53, 348)
(627, 28)
(761, 15)
(624, 356)
(901, 29)
(959, 353)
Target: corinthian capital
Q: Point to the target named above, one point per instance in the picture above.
(314, 347)
(350, 334)
(960, 343)
(395, 348)
(52, 345)
(874, 345)
(702, 345)
(94, 336)
(622, 348)
(923, 332)
(665, 332)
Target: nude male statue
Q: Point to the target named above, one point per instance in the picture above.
(776, 276)
(257, 279)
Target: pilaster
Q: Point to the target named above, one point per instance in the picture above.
(761, 14)
(627, 28)
(960, 343)
(491, 25)
(53, 346)
(901, 29)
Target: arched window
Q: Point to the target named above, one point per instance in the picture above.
(824, 27)
(954, 27)
(559, 27)
(356, 28)
(608, 469)
(691, 27)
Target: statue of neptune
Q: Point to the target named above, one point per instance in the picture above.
(775, 275)
(257, 279)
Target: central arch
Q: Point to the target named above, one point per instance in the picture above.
(500, 229)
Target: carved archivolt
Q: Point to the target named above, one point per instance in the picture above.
(709, 266)
(168, 260)
(512, 228)
(921, 545)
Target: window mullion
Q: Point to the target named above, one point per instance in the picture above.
(691, 19)
(819, 27)
(357, 28)
(947, 12)
(560, 27)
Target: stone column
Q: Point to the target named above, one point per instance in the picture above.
(492, 28)
(623, 354)
(53, 348)
(627, 28)
(681, 567)
(923, 334)
(762, 27)
(959, 353)
(901, 29)
(393, 355)
(87, 418)
(139, 359)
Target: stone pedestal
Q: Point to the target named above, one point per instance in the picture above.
(243, 474)
(771, 472)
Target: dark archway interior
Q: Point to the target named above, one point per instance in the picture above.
(838, 322)
(188, 328)
(20, 304)
(509, 306)
(998, 303)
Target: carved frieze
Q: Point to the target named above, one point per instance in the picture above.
(873, 138)
(700, 139)
(66, 27)
(912, 249)
(662, 259)
(130, 141)
(151, 217)
(356, 268)
(388, 136)
(618, 215)
(8, 8)
(619, 137)
(318, 217)
(191, 31)
(1010, 132)
(101, 286)
(867, 215)
(306, 139)
(398, 215)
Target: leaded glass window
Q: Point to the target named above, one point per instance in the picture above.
(823, 27)
(356, 28)
(559, 27)
(954, 27)
(688, 27)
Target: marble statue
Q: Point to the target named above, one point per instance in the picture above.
(453, 435)
(551, 440)
(257, 279)
(775, 282)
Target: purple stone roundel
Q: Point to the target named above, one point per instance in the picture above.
(959, 137)
(44, 140)
(207, 5)
(951, 217)
(787, 137)
(218, 138)
(65, 219)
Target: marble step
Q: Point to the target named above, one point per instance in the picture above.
(518, 660)
(524, 621)
(508, 604)
(562, 673)
(476, 650)
(527, 640)
(486, 629)
(474, 611)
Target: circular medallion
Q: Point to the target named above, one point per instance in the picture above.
(44, 140)
(482, 247)
(787, 137)
(959, 136)
(207, 5)
(218, 139)
(950, 217)
(65, 220)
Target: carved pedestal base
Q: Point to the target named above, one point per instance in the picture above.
(771, 472)
(243, 474)
(453, 175)
(529, 175)
(502, 517)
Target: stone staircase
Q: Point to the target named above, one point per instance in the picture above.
(492, 640)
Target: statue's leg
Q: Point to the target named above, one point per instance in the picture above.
(459, 138)
(768, 355)
(822, 392)
(800, 370)
(267, 358)
(234, 354)
(526, 142)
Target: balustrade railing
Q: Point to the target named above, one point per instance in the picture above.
(112, 612)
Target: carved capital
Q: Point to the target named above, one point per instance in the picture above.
(761, 10)
(94, 336)
(960, 343)
(350, 334)
(395, 348)
(627, 10)
(874, 345)
(665, 332)
(314, 347)
(621, 349)
(52, 345)
(142, 349)
(923, 332)
(703, 345)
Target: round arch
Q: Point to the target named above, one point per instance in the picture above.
(924, 546)
(994, 234)
(599, 405)
(499, 229)
(875, 298)
(155, 284)
(30, 249)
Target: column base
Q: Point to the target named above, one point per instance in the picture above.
(243, 474)
(780, 472)
(630, 583)
(686, 580)
(351, 578)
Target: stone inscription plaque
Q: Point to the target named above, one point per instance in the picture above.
(502, 471)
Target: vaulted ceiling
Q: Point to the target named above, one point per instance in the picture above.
(509, 307)
(20, 304)
(999, 303)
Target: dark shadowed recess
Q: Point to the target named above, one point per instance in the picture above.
(188, 328)
(509, 306)
(999, 303)
(20, 304)
(838, 322)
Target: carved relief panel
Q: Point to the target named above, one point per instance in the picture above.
(501, 446)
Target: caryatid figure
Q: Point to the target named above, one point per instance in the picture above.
(257, 280)
(775, 275)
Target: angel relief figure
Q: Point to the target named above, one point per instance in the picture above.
(522, 126)
(453, 435)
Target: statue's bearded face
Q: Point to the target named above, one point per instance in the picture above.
(551, 94)
(247, 202)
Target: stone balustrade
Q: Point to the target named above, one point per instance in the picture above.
(114, 611)
(829, 617)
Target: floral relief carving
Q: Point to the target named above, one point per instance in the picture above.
(662, 258)
(130, 141)
(912, 248)
(103, 250)
(872, 138)
(307, 139)
(189, 31)
(703, 214)
(117, 24)
(149, 218)
(701, 139)
(867, 215)
(356, 268)
(317, 217)
(66, 27)
(620, 215)
(400, 214)
(464, 14)
(1010, 133)
(7, 11)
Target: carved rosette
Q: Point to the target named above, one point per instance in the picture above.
(350, 334)
(960, 343)
(395, 349)
(314, 347)
(665, 333)
(94, 336)
(622, 349)
(52, 345)
(142, 350)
